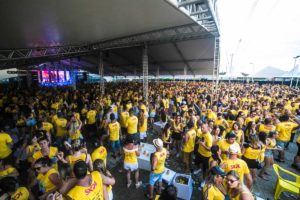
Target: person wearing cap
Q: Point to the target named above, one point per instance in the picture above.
(238, 165)
(188, 145)
(236, 189)
(132, 126)
(224, 144)
(158, 159)
(214, 188)
(88, 186)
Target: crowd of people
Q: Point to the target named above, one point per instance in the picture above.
(55, 143)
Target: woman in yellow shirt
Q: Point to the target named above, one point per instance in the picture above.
(177, 129)
(166, 133)
(253, 154)
(236, 189)
(236, 128)
(48, 177)
(100, 166)
(130, 152)
(214, 188)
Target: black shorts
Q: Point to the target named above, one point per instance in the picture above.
(202, 160)
(252, 163)
(298, 153)
(176, 136)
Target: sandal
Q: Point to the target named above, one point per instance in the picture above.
(262, 177)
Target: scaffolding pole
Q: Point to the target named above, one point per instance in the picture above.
(145, 72)
(101, 74)
(157, 76)
(184, 73)
(216, 67)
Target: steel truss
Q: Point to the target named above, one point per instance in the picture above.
(203, 11)
(25, 57)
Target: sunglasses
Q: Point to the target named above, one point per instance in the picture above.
(231, 181)
(37, 168)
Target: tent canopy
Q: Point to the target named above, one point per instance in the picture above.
(37, 32)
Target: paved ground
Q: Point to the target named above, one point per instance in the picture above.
(263, 189)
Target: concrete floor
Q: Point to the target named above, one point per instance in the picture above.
(263, 189)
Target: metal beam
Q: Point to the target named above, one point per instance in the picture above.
(145, 72)
(189, 2)
(183, 59)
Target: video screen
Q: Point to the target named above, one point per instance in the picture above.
(53, 76)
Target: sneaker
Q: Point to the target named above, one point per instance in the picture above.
(202, 184)
(138, 184)
(129, 184)
(197, 171)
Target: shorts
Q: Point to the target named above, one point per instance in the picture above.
(202, 160)
(152, 114)
(154, 178)
(298, 153)
(131, 166)
(110, 195)
(176, 136)
(252, 163)
(115, 145)
(268, 153)
(281, 144)
(143, 135)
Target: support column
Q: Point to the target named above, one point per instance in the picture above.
(145, 72)
(28, 78)
(297, 82)
(101, 74)
(73, 74)
(157, 76)
(184, 74)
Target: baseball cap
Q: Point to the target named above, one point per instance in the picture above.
(216, 170)
(158, 143)
(233, 149)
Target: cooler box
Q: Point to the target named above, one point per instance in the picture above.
(145, 152)
(168, 176)
(184, 191)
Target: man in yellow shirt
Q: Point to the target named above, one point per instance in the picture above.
(204, 153)
(10, 186)
(143, 123)
(238, 165)
(123, 119)
(132, 126)
(6, 143)
(60, 128)
(284, 129)
(158, 159)
(91, 125)
(89, 186)
(188, 145)
(114, 132)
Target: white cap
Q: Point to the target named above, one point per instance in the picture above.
(234, 149)
(158, 143)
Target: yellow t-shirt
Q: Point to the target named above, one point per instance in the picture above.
(124, 117)
(266, 129)
(72, 160)
(47, 126)
(53, 152)
(20, 194)
(61, 127)
(131, 124)
(210, 192)
(208, 139)
(252, 153)
(190, 144)
(237, 165)
(161, 158)
(130, 156)
(285, 130)
(99, 153)
(224, 145)
(45, 182)
(166, 137)
(114, 131)
(91, 117)
(5, 139)
(143, 127)
(92, 192)
(7, 172)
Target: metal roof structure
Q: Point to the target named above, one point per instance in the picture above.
(179, 34)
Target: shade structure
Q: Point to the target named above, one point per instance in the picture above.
(48, 31)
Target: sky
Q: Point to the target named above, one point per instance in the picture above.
(258, 33)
